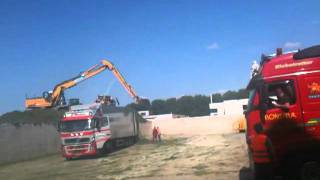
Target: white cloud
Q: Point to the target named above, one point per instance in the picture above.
(214, 45)
(292, 45)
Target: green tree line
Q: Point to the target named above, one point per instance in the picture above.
(35, 117)
(197, 105)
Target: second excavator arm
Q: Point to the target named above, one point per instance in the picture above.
(122, 81)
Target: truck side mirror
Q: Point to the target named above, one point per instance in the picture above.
(263, 106)
(98, 125)
(245, 112)
(58, 126)
(264, 98)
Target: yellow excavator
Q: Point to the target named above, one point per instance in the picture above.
(56, 97)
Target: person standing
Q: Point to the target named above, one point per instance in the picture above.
(154, 134)
(262, 154)
(159, 134)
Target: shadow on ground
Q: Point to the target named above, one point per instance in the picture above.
(113, 150)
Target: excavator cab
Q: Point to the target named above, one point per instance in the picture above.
(47, 95)
(108, 100)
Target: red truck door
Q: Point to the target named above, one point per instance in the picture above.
(310, 96)
(283, 125)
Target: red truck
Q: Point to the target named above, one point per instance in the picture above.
(96, 128)
(294, 132)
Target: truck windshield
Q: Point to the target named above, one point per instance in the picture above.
(77, 125)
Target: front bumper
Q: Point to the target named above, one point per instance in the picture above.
(78, 150)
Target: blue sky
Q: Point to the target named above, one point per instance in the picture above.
(166, 48)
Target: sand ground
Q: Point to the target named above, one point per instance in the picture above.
(216, 157)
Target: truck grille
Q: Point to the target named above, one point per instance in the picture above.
(76, 140)
(77, 149)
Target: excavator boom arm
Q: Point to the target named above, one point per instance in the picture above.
(58, 89)
(57, 92)
(122, 81)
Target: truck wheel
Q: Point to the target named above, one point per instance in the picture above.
(68, 158)
(107, 147)
(136, 139)
(310, 171)
(130, 141)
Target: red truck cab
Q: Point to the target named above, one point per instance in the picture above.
(96, 128)
(294, 132)
(84, 130)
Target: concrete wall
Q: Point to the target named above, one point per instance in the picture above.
(30, 141)
(27, 141)
(197, 125)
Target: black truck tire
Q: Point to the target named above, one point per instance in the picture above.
(107, 147)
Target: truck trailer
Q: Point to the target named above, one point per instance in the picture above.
(96, 128)
(293, 128)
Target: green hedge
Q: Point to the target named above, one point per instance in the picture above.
(41, 116)
(35, 117)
